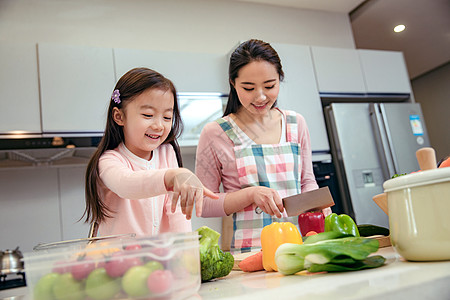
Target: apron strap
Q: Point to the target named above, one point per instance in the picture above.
(291, 126)
(228, 128)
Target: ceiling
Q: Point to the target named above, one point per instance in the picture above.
(425, 42)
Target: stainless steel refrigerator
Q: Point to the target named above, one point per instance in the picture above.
(370, 142)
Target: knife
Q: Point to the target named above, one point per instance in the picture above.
(312, 200)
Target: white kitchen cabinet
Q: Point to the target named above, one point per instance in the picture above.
(76, 85)
(190, 72)
(338, 70)
(362, 71)
(384, 71)
(19, 86)
(298, 91)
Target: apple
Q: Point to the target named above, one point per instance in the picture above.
(134, 282)
(154, 265)
(83, 267)
(66, 287)
(119, 262)
(100, 286)
(160, 281)
(44, 287)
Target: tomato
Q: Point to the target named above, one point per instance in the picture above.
(134, 282)
(160, 281)
(119, 262)
(100, 286)
(83, 267)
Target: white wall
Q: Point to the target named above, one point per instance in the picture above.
(432, 91)
(183, 25)
(166, 25)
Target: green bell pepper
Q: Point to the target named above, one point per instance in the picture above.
(341, 223)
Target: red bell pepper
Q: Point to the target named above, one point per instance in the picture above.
(311, 221)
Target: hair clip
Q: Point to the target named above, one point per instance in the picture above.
(116, 96)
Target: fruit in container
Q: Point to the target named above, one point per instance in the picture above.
(44, 287)
(83, 267)
(154, 265)
(118, 270)
(160, 281)
(119, 262)
(100, 286)
(66, 287)
(134, 282)
(61, 267)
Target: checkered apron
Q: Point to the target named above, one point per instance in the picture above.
(276, 166)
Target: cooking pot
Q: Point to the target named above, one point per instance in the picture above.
(11, 261)
(419, 208)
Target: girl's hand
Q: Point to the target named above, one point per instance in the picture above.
(267, 199)
(189, 189)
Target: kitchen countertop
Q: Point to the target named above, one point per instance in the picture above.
(397, 279)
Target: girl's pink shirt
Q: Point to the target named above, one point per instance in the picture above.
(216, 164)
(133, 188)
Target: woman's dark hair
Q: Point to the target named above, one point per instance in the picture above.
(130, 85)
(245, 53)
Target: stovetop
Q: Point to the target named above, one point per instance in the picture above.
(12, 281)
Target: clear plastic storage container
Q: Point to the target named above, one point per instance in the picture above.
(166, 266)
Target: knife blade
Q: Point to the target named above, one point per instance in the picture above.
(312, 200)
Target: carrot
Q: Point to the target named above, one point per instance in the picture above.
(252, 263)
(311, 233)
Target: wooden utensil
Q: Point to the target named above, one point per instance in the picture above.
(426, 157)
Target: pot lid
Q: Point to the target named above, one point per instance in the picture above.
(417, 179)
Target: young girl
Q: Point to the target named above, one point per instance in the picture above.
(138, 162)
(259, 153)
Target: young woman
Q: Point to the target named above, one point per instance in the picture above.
(259, 153)
(138, 164)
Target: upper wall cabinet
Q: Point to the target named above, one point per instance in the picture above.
(360, 71)
(384, 71)
(19, 86)
(76, 83)
(298, 91)
(190, 72)
(338, 70)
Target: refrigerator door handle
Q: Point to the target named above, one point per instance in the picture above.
(383, 139)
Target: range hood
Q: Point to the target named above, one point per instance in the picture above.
(21, 149)
(36, 150)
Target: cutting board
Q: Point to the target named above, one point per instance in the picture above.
(383, 240)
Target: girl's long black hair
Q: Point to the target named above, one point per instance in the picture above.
(245, 53)
(130, 85)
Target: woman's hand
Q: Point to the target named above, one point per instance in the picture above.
(189, 189)
(267, 199)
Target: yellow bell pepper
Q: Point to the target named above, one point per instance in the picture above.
(272, 236)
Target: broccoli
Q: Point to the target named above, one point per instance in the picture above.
(214, 262)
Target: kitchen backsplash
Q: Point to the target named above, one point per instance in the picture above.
(44, 204)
